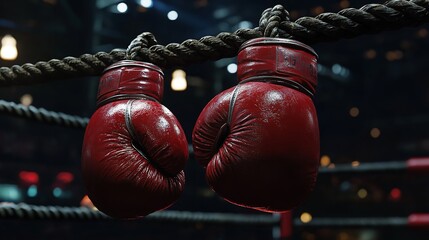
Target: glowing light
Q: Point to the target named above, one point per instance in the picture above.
(336, 68)
(422, 33)
(86, 202)
(362, 193)
(245, 24)
(395, 194)
(375, 133)
(370, 54)
(394, 55)
(355, 164)
(317, 10)
(65, 177)
(122, 7)
(32, 191)
(57, 192)
(10, 192)
(172, 15)
(354, 112)
(179, 83)
(344, 4)
(146, 3)
(331, 165)
(306, 217)
(325, 160)
(221, 13)
(343, 236)
(29, 177)
(26, 99)
(8, 49)
(232, 68)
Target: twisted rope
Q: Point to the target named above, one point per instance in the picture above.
(85, 65)
(43, 115)
(25, 211)
(354, 222)
(351, 22)
(347, 23)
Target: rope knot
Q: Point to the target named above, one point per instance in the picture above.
(144, 40)
(271, 19)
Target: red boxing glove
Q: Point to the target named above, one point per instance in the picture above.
(134, 150)
(259, 141)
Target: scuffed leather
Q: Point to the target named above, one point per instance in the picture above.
(126, 177)
(270, 157)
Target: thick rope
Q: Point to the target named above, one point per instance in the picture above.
(351, 22)
(347, 23)
(85, 65)
(43, 115)
(354, 222)
(25, 211)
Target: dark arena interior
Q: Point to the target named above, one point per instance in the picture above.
(87, 151)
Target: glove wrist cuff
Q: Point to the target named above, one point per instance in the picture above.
(282, 58)
(131, 78)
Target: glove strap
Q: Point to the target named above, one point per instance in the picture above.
(125, 97)
(280, 81)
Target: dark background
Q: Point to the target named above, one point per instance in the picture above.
(383, 75)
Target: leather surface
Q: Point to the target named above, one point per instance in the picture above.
(269, 157)
(133, 170)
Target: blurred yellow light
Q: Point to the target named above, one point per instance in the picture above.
(362, 193)
(422, 33)
(354, 111)
(26, 100)
(355, 163)
(370, 54)
(375, 133)
(394, 55)
(325, 160)
(86, 202)
(179, 83)
(344, 4)
(343, 236)
(8, 49)
(306, 217)
(317, 10)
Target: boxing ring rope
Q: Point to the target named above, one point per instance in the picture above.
(275, 22)
(35, 212)
(415, 220)
(412, 165)
(26, 211)
(43, 115)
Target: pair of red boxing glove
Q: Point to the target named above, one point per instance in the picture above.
(258, 141)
